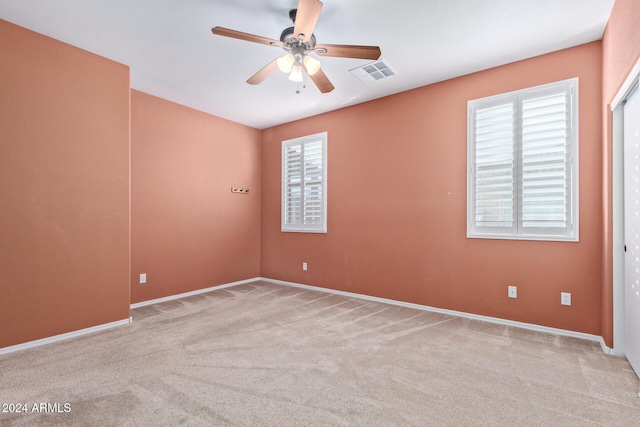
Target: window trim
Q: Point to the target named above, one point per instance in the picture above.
(304, 228)
(572, 235)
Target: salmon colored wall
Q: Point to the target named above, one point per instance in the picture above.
(621, 45)
(188, 231)
(64, 192)
(397, 204)
(621, 50)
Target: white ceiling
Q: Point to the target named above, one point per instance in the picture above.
(172, 53)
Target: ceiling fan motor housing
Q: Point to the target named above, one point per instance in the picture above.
(290, 40)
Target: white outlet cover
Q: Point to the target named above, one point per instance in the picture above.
(513, 291)
(143, 278)
(304, 266)
(565, 298)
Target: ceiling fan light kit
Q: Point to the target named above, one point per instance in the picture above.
(296, 73)
(311, 64)
(285, 63)
(299, 42)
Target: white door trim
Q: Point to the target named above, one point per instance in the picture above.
(626, 86)
(617, 238)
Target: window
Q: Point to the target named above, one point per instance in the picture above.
(304, 184)
(523, 164)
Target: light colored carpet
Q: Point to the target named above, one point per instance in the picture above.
(265, 354)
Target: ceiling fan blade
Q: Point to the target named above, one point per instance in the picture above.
(321, 81)
(226, 32)
(259, 77)
(349, 51)
(306, 18)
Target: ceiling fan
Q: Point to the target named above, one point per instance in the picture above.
(299, 42)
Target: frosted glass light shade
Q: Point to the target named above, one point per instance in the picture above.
(285, 62)
(311, 64)
(296, 73)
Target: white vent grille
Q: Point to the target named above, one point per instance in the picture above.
(374, 71)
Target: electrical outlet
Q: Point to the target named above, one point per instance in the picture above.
(513, 291)
(565, 298)
(304, 266)
(143, 278)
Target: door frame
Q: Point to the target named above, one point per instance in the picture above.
(617, 238)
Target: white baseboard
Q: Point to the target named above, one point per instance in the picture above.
(64, 336)
(606, 349)
(462, 314)
(98, 328)
(188, 294)
(530, 326)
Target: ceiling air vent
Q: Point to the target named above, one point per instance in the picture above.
(374, 71)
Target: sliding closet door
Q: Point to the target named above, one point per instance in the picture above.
(632, 228)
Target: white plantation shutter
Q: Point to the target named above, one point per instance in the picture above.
(523, 164)
(313, 183)
(494, 203)
(546, 161)
(304, 184)
(293, 183)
